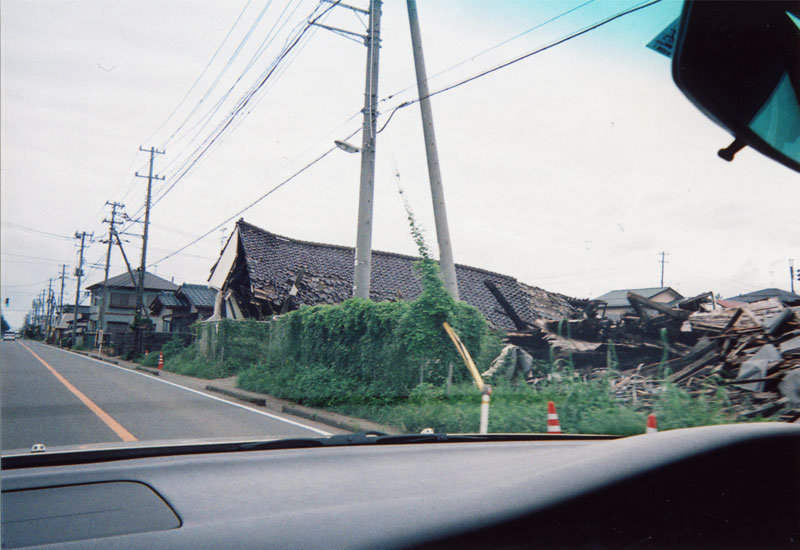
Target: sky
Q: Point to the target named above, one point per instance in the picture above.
(571, 170)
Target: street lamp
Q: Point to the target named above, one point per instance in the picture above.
(344, 146)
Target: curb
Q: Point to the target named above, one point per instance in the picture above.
(323, 419)
(148, 370)
(303, 412)
(136, 366)
(260, 401)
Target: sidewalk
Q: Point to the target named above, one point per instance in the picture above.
(225, 388)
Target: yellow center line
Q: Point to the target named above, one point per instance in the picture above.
(124, 434)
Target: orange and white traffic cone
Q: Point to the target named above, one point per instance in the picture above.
(553, 426)
(652, 424)
(160, 360)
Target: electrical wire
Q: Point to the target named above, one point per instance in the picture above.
(202, 74)
(255, 202)
(527, 55)
(204, 147)
(225, 68)
(35, 231)
(492, 48)
(265, 43)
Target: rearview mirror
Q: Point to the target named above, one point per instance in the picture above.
(739, 63)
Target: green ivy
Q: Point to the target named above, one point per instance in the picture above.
(362, 350)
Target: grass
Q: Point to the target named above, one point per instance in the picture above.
(584, 406)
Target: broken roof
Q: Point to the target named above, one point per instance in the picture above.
(151, 282)
(619, 298)
(274, 261)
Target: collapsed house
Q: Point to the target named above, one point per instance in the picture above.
(750, 352)
(260, 274)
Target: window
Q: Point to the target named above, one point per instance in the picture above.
(123, 299)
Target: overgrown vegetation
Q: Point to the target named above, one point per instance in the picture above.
(392, 362)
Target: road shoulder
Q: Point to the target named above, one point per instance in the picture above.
(225, 388)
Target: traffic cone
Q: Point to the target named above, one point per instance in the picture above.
(160, 360)
(652, 424)
(553, 427)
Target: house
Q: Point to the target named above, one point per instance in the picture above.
(617, 303)
(788, 298)
(62, 326)
(121, 292)
(175, 311)
(260, 274)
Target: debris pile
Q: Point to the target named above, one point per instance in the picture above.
(751, 353)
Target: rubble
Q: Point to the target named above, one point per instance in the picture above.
(750, 354)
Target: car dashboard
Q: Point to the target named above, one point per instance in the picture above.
(717, 486)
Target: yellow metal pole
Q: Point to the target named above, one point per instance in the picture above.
(486, 389)
(473, 370)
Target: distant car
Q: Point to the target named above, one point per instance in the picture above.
(10, 335)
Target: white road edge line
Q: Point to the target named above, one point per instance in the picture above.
(149, 377)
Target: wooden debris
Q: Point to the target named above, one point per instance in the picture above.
(744, 353)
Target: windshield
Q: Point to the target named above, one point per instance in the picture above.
(234, 220)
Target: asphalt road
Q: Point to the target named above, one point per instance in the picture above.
(59, 398)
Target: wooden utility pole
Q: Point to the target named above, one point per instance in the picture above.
(663, 261)
(104, 298)
(150, 177)
(363, 255)
(446, 263)
(79, 274)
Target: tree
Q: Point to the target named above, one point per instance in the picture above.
(4, 324)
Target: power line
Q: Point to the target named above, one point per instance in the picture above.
(546, 47)
(498, 45)
(204, 147)
(224, 69)
(255, 202)
(35, 231)
(200, 76)
(205, 119)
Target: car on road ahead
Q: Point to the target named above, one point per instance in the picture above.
(10, 335)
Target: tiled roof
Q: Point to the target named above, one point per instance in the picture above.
(783, 295)
(151, 282)
(169, 299)
(273, 262)
(198, 295)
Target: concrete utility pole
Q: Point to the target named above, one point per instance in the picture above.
(104, 298)
(61, 296)
(150, 177)
(663, 261)
(363, 260)
(48, 322)
(791, 274)
(79, 274)
(434, 174)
